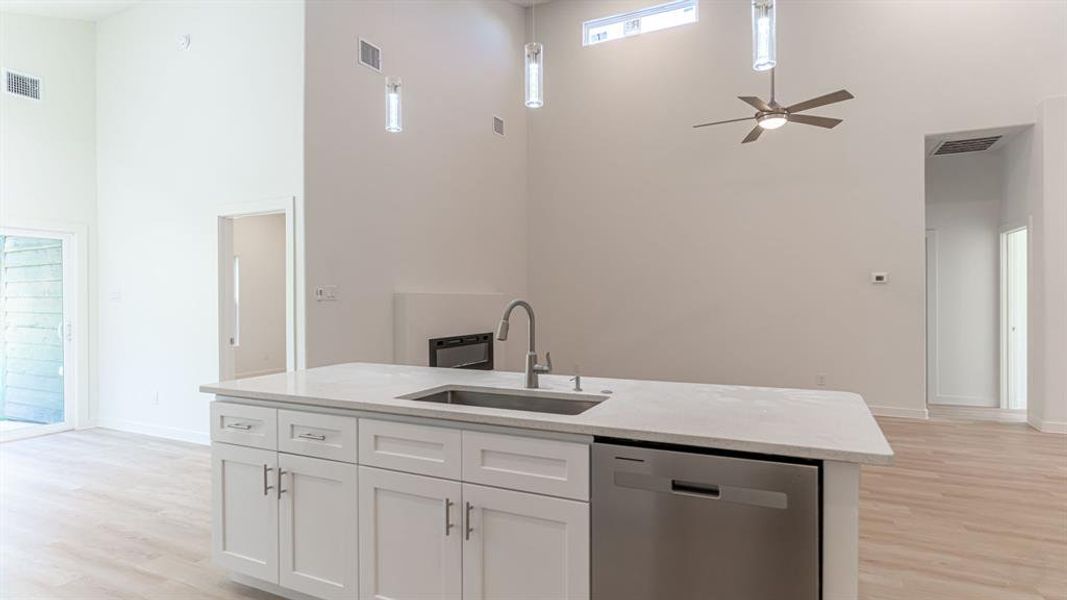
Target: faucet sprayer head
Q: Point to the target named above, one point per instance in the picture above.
(502, 330)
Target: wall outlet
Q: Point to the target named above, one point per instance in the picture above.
(879, 277)
(820, 379)
(326, 293)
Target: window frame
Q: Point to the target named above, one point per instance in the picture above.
(636, 15)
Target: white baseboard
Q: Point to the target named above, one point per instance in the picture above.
(904, 413)
(1048, 426)
(972, 401)
(170, 433)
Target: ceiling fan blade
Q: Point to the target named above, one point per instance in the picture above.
(838, 96)
(721, 122)
(755, 102)
(752, 135)
(826, 122)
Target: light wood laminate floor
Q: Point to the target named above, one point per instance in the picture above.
(969, 511)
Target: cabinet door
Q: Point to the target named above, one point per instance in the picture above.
(410, 536)
(524, 546)
(245, 510)
(317, 527)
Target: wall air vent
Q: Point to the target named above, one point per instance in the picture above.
(370, 55)
(21, 84)
(960, 146)
(498, 125)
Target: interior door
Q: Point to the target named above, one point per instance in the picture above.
(1015, 296)
(524, 545)
(411, 536)
(245, 510)
(317, 527)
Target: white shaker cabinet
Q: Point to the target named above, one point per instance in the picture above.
(521, 545)
(411, 536)
(317, 526)
(245, 510)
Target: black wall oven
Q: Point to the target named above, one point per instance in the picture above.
(470, 351)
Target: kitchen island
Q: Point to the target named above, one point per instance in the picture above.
(412, 464)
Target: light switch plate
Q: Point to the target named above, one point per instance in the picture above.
(326, 293)
(879, 277)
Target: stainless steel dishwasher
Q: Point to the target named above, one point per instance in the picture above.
(668, 523)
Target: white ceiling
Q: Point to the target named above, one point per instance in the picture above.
(83, 10)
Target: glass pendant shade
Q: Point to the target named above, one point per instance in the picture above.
(535, 75)
(764, 52)
(393, 123)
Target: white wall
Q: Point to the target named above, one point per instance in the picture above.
(259, 243)
(182, 134)
(1047, 309)
(48, 152)
(440, 207)
(665, 252)
(963, 208)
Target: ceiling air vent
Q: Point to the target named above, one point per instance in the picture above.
(370, 55)
(961, 146)
(21, 84)
(498, 125)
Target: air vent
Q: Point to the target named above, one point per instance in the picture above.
(370, 55)
(971, 145)
(20, 84)
(498, 125)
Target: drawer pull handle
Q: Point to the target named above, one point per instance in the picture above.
(318, 437)
(448, 516)
(467, 534)
(241, 426)
(281, 473)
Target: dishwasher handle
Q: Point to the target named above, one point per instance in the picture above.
(733, 494)
(692, 488)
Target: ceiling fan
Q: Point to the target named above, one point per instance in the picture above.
(771, 115)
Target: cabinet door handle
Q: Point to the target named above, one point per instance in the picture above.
(281, 473)
(469, 529)
(318, 437)
(266, 487)
(241, 426)
(448, 516)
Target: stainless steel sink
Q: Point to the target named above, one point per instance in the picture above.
(527, 400)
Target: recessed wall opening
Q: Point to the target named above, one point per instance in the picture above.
(977, 220)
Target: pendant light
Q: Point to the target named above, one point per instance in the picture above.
(393, 123)
(764, 51)
(535, 68)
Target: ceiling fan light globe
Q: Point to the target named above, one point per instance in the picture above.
(772, 121)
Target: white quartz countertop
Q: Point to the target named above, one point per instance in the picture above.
(823, 425)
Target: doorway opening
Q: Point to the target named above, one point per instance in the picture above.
(977, 210)
(1013, 299)
(256, 294)
(38, 384)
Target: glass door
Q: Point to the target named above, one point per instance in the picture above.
(36, 390)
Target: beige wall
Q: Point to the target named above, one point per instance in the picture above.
(1047, 347)
(663, 252)
(440, 207)
(259, 242)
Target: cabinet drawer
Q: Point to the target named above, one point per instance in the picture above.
(418, 449)
(533, 465)
(324, 436)
(244, 425)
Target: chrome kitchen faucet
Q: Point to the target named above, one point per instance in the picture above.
(532, 368)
